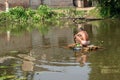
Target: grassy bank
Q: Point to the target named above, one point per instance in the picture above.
(45, 13)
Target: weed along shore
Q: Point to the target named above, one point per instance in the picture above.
(45, 13)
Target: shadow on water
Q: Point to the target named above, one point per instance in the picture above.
(37, 52)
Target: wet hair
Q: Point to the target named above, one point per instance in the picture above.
(81, 28)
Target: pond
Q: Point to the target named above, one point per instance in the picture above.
(38, 52)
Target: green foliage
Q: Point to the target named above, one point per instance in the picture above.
(30, 13)
(80, 13)
(110, 8)
(4, 17)
(18, 13)
(69, 12)
(95, 13)
(45, 12)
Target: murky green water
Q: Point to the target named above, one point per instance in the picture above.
(37, 52)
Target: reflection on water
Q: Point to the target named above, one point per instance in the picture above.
(81, 57)
(8, 35)
(55, 62)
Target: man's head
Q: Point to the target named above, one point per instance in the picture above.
(81, 29)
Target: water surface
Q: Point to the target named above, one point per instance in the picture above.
(46, 43)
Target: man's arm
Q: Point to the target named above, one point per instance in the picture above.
(84, 35)
(78, 34)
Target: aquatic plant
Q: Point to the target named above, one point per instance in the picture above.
(20, 14)
(45, 12)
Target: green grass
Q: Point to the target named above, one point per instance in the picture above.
(95, 13)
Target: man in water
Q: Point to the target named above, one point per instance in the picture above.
(82, 38)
